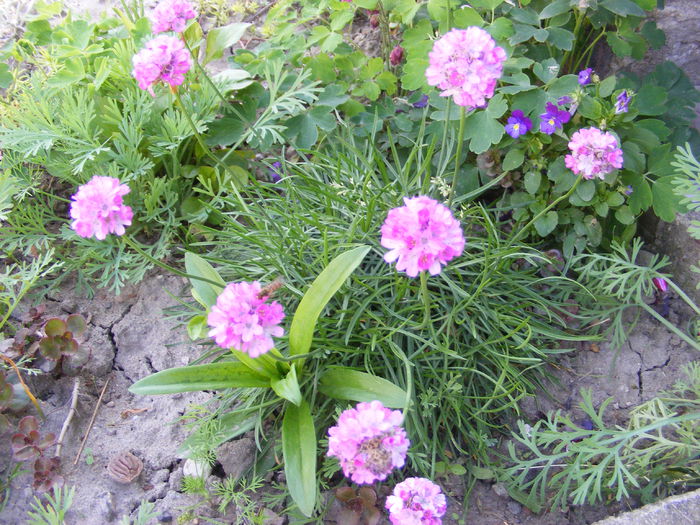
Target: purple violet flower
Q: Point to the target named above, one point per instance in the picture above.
(553, 119)
(274, 173)
(422, 102)
(622, 103)
(584, 76)
(629, 190)
(518, 124)
(563, 101)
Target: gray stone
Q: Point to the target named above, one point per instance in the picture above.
(500, 489)
(236, 456)
(514, 507)
(676, 510)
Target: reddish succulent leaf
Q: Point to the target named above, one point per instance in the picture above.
(345, 494)
(45, 442)
(4, 423)
(50, 348)
(27, 424)
(55, 327)
(372, 516)
(76, 324)
(368, 496)
(5, 394)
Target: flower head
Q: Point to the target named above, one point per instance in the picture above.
(421, 102)
(465, 64)
(242, 319)
(421, 235)
(98, 209)
(622, 102)
(416, 501)
(660, 284)
(172, 15)
(274, 171)
(584, 76)
(369, 442)
(518, 124)
(163, 59)
(594, 153)
(553, 119)
(396, 56)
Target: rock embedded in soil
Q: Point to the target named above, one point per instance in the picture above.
(236, 457)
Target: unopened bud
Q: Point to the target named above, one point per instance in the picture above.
(660, 284)
(396, 56)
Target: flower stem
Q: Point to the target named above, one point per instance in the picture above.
(425, 294)
(460, 141)
(525, 228)
(166, 267)
(208, 152)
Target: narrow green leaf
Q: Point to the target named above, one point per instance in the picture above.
(204, 292)
(220, 38)
(353, 385)
(299, 450)
(212, 376)
(317, 296)
(288, 387)
(232, 425)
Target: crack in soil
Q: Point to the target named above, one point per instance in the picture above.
(113, 341)
(657, 367)
(640, 381)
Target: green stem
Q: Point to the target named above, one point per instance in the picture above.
(683, 295)
(588, 50)
(208, 152)
(425, 294)
(540, 214)
(166, 267)
(460, 141)
(667, 324)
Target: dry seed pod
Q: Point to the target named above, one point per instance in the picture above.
(124, 467)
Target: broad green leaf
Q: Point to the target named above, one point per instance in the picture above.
(615, 199)
(5, 76)
(666, 202)
(622, 7)
(541, 35)
(586, 190)
(532, 181)
(232, 79)
(655, 36)
(487, 4)
(212, 376)
(624, 215)
(221, 38)
(607, 86)
(501, 28)
(353, 385)
(224, 131)
(482, 131)
(55, 327)
(546, 70)
(288, 387)
(232, 424)
(73, 71)
(619, 46)
(197, 328)
(466, 17)
(561, 38)
(263, 365)
(651, 100)
(299, 450)
(641, 197)
(633, 158)
(75, 323)
(555, 8)
(513, 159)
(205, 293)
(546, 224)
(590, 108)
(317, 296)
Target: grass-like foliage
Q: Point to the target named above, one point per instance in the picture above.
(557, 462)
(495, 316)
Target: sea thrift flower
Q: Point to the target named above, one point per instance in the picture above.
(465, 64)
(553, 119)
(584, 76)
(164, 59)
(416, 501)
(369, 442)
(518, 124)
(660, 284)
(98, 209)
(172, 15)
(594, 153)
(396, 56)
(622, 103)
(421, 235)
(242, 319)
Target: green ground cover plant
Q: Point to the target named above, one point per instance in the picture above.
(293, 180)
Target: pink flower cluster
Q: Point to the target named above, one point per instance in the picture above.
(98, 209)
(164, 59)
(594, 153)
(243, 320)
(369, 442)
(416, 501)
(465, 64)
(422, 235)
(172, 15)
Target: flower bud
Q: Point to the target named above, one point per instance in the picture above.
(396, 56)
(660, 284)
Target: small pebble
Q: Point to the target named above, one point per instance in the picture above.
(166, 517)
(110, 404)
(500, 489)
(514, 507)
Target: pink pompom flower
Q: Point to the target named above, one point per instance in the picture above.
(416, 501)
(97, 208)
(421, 235)
(172, 15)
(594, 153)
(164, 59)
(369, 442)
(242, 319)
(466, 64)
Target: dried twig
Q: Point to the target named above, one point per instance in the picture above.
(69, 417)
(92, 421)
